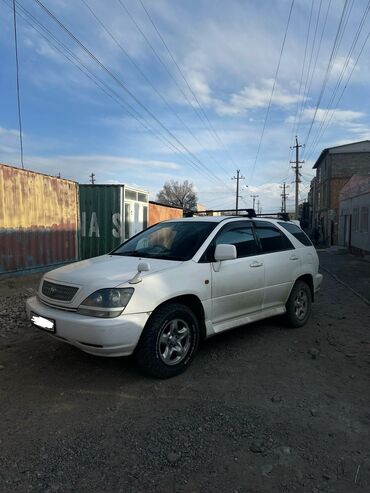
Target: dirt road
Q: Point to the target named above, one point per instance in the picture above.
(262, 409)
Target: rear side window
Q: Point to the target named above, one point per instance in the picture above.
(271, 238)
(241, 236)
(297, 233)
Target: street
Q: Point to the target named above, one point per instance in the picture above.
(263, 408)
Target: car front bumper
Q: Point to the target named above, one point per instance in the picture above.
(99, 336)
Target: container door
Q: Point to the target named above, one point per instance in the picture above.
(129, 213)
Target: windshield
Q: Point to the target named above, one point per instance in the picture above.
(168, 240)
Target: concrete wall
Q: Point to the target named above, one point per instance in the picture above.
(160, 212)
(360, 239)
(334, 171)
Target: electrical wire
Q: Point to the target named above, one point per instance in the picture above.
(294, 129)
(319, 132)
(122, 85)
(272, 91)
(147, 80)
(344, 88)
(218, 138)
(328, 69)
(17, 79)
(99, 82)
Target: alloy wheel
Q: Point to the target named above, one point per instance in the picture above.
(174, 341)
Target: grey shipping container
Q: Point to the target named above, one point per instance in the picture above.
(110, 214)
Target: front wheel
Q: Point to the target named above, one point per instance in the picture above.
(169, 341)
(298, 307)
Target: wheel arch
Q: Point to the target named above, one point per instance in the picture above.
(193, 303)
(308, 279)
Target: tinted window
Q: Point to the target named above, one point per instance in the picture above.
(177, 240)
(297, 233)
(241, 236)
(271, 238)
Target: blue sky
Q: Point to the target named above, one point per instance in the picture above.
(228, 54)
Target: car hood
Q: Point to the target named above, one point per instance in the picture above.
(106, 270)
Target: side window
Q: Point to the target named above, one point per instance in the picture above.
(271, 238)
(297, 232)
(240, 235)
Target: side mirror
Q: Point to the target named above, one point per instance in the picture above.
(142, 267)
(225, 252)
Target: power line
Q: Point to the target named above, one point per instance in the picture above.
(71, 57)
(272, 90)
(124, 87)
(343, 90)
(302, 71)
(328, 69)
(17, 72)
(143, 75)
(307, 89)
(319, 132)
(186, 81)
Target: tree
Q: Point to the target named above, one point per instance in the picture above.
(179, 195)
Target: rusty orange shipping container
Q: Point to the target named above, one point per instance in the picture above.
(39, 220)
(160, 212)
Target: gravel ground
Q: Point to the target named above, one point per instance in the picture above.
(263, 408)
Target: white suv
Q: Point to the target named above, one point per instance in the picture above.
(176, 283)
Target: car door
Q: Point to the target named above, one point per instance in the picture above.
(237, 285)
(282, 263)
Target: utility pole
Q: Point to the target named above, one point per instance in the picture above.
(254, 197)
(296, 168)
(259, 208)
(238, 177)
(283, 196)
(92, 178)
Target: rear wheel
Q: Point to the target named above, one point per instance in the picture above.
(169, 341)
(298, 307)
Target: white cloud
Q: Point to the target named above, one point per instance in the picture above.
(340, 116)
(258, 96)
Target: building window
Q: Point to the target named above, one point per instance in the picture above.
(364, 219)
(356, 217)
(142, 197)
(130, 194)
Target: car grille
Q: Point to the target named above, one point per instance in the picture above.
(58, 291)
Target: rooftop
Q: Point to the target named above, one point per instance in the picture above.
(360, 146)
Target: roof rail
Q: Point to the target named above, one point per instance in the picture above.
(223, 212)
(283, 216)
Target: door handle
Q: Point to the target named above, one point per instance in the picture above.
(293, 257)
(256, 264)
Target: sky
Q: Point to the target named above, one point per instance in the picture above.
(143, 92)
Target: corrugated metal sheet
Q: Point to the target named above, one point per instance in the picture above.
(38, 220)
(101, 212)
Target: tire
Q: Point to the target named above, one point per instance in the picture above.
(298, 306)
(172, 327)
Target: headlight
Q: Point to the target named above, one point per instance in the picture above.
(106, 303)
